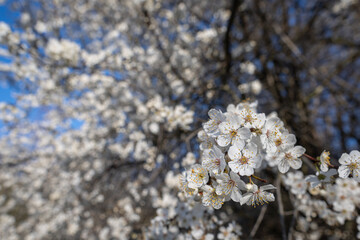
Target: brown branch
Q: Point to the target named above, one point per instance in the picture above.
(317, 161)
(259, 179)
(258, 221)
(227, 40)
(281, 207)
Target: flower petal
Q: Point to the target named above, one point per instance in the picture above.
(283, 166)
(223, 140)
(295, 163)
(344, 171)
(298, 151)
(234, 166)
(234, 153)
(235, 195)
(267, 187)
(355, 155)
(356, 174)
(244, 133)
(345, 159)
(245, 198)
(324, 167)
(246, 170)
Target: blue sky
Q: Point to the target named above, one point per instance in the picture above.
(6, 91)
(9, 17)
(6, 15)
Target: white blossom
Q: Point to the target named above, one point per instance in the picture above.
(211, 198)
(258, 196)
(324, 161)
(244, 161)
(232, 132)
(321, 177)
(290, 158)
(213, 160)
(229, 185)
(350, 164)
(211, 127)
(198, 176)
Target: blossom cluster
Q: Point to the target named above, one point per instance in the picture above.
(330, 198)
(173, 213)
(234, 145)
(238, 144)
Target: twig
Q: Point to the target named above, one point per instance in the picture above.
(259, 179)
(311, 158)
(258, 221)
(309, 164)
(292, 224)
(227, 40)
(281, 207)
(316, 160)
(189, 137)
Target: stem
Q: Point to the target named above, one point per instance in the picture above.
(258, 221)
(311, 158)
(315, 160)
(281, 208)
(250, 180)
(259, 179)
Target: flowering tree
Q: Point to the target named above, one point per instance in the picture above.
(108, 136)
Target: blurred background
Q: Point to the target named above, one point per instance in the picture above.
(101, 103)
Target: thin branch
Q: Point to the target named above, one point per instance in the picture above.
(292, 224)
(316, 161)
(258, 221)
(227, 40)
(281, 207)
(311, 158)
(259, 179)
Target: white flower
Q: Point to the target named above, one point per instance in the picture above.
(246, 104)
(211, 127)
(324, 161)
(4, 30)
(321, 177)
(231, 131)
(271, 130)
(258, 124)
(244, 162)
(248, 117)
(41, 27)
(254, 87)
(206, 141)
(184, 185)
(248, 67)
(213, 160)
(229, 185)
(256, 196)
(231, 232)
(179, 117)
(188, 160)
(231, 108)
(290, 158)
(284, 140)
(64, 49)
(198, 176)
(271, 158)
(296, 182)
(211, 198)
(346, 208)
(350, 164)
